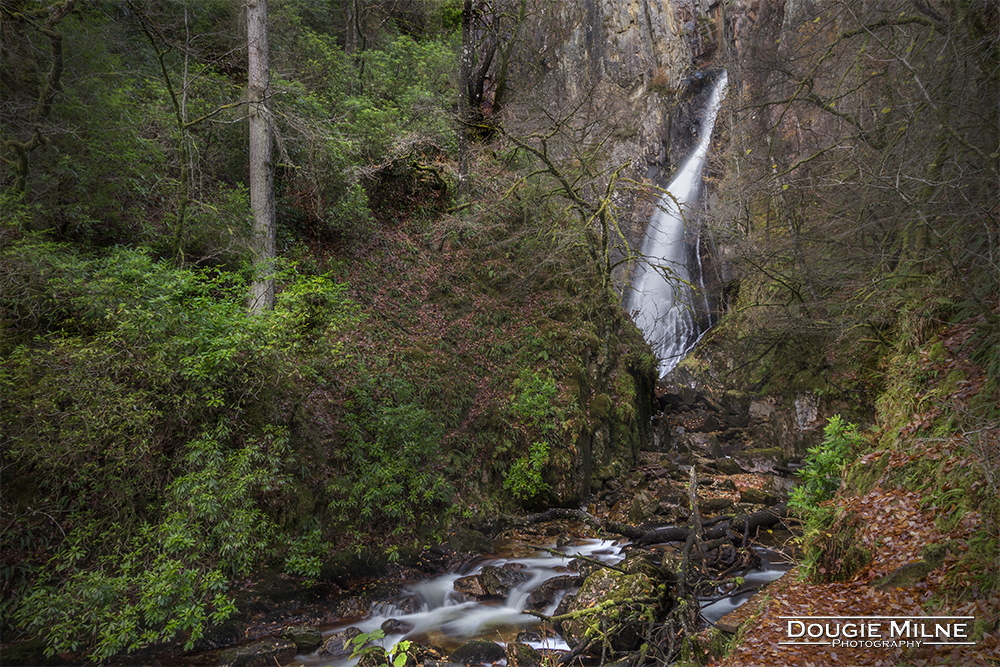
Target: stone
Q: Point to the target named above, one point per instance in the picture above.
(545, 594)
(522, 655)
(470, 585)
(263, 653)
(806, 411)
(498, 581)
(395, 626)
(305, 637)
(338, 645)
(479, 652)
(606, 586)
(760, 411)
(728, 466)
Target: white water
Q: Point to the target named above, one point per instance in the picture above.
(664, 299)
(445, 613)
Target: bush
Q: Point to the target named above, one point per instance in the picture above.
(824, 465)
(146, 410)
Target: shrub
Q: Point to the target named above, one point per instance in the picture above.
(824, 465)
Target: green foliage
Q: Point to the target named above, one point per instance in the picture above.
(829, 541)
(362, 645)
(824, 465)
(392, 474)
(306, 554)
(149, 406)
(525, 479)
(538, 417)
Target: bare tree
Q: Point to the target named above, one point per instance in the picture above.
(261, 164)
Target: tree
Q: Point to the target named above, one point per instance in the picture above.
(31, 119)
(261, 165)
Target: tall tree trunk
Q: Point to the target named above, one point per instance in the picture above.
(464, 79)
(261, 167)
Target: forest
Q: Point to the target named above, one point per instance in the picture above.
(403, 319)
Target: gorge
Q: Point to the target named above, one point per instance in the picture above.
(448, 383)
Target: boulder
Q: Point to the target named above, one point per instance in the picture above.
(395, 626)
(522, 655)
(338, 645)
(471, 585)
(305, 637)
(498, 581)
(613, 588)
(545, 595)
(479, 652)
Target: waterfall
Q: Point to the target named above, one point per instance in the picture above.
(667, 297)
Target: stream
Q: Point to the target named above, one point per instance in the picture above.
(434, 613)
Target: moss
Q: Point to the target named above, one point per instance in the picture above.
(600, 407)
(861, 478)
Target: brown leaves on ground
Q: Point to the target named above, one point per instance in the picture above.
(895, 526)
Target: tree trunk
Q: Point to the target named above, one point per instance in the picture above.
(464, 77)
(261, 167)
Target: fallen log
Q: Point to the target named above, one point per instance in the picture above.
(740, 524)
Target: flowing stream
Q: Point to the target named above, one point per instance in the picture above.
(667, 298)
(434, 610)
(434, 613)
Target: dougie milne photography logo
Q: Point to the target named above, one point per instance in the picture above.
(877, 631)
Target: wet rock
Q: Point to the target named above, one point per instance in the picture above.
(522, 655)
(471, 585)
(479, 652)
(361, 600)
(305, 637)
(395, 626)
(338, 645)
(545, 594)
(497, 581)
(529, 635)
(261, 653)
(606, 586)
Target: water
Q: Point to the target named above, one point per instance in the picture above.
(667, 297)
(449, 619)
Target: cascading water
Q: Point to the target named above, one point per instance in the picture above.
(447, 616)
(668, 306)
